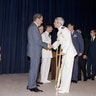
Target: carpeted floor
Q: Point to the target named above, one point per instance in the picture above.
(15, 85)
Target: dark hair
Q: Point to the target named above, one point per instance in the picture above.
(37, 15)
(71, 24)
(40, 25)
(48, 25)
(93, 30)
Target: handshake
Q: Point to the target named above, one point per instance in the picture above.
(50, 46)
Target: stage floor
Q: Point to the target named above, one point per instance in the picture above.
(15, 85)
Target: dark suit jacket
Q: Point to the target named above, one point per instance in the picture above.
(92, 51)
(78, 42)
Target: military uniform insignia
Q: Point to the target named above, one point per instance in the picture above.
(74, 36)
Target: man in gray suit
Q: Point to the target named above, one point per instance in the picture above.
(34, 50)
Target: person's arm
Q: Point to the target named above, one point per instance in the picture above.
(55, 45)
(57, 42)
(81, 43)
(86, 46)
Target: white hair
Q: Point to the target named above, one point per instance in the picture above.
(60, 20)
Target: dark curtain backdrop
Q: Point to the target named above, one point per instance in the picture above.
(16, 16)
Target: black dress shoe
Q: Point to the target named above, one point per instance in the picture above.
(39, 83)
(85, 79)
(34, 89)
(79, 79)
(74, 81)
(92, 78)
(88, 77)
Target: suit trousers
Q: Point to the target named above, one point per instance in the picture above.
(75, 69)
(81, 68)
(91, 68)
(45, 67)
(33, 72)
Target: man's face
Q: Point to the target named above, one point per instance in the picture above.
(70, 27)
(39, 21)
(92, 33)
(56, 24)
(41, 29)
(50, 29)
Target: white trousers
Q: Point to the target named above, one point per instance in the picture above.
(66, 73)
(45, 67)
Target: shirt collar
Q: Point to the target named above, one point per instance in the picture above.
(47, 32)
(36, 23)
(60, 27)
(93, 37)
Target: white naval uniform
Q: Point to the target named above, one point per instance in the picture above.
(46, 59)
(64, 38)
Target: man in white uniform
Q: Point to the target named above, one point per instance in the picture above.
(68, 53)
(46, 56)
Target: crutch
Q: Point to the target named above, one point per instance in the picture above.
(58, 69)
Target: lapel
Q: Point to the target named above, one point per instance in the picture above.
(36, 28)
(72, 34)
(94, 40)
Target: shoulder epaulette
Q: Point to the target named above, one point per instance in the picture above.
(62, 27)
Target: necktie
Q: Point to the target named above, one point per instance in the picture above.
(92, 39)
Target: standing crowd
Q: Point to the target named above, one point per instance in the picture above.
(78, 54)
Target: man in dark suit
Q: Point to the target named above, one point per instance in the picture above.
(91, 64)
(79, 46)
(34, 50)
